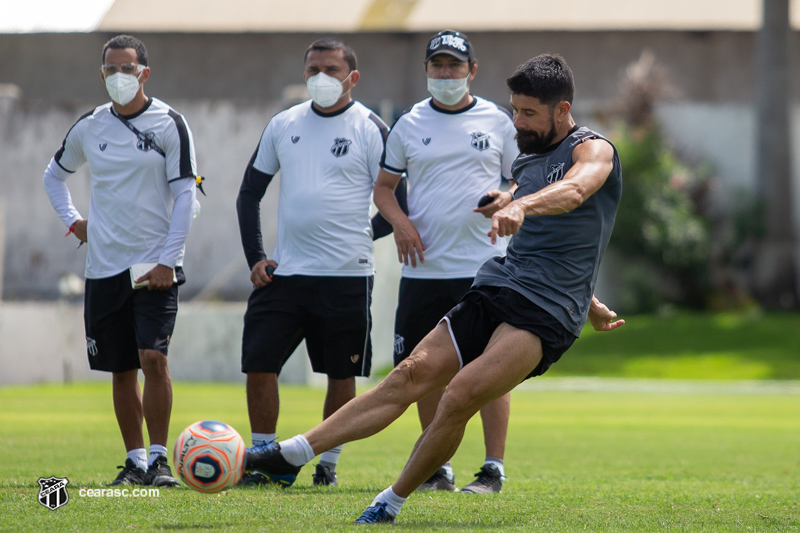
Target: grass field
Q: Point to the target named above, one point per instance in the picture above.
(575, 461)
(726, 346)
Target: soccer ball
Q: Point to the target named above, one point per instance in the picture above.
(209, 456)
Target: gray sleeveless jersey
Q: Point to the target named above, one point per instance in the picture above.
(553, 260)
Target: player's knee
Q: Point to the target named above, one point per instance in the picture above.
(409, 380)
(154, 363)
(458, 403)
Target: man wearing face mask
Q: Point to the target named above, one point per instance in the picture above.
(318, 284)
(456, 149)
(142, 165)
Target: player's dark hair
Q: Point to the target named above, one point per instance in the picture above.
(545, 77)
(120, 42)
(334, 44)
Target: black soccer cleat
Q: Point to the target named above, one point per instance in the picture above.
(160, 475)
(489, 480)
(253, 479)
(266, 457)
(257, 479)
(440, 481)
(130, 475)
(323, 476)
(377, 514)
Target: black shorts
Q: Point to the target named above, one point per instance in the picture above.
(421, 304)
(331, 313)
(120, 321)
(473, 321)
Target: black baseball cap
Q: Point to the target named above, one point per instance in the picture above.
(449, 42)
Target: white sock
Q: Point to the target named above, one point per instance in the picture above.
(297, 451)
(331, 457)
(393, 502)
(139, 457)
(258, 438)
(155, 451)
(448, 468)
(496, 461)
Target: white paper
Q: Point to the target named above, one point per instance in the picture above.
(140, 269)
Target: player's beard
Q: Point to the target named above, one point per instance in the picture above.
(531, 142)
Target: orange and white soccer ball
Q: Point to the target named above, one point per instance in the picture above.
(209, 456)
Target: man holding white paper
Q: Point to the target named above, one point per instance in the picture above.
(141, 159)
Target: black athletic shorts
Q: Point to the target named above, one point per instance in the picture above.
(331, 313)
(120, 321)
(421, 304)
(473, 321)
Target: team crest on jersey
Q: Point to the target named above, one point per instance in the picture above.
(295, 138)
(53, 492)
(103, 146)
(426, 141)
(340, 146)
(555, 172)
(480, 140)
(146, 141)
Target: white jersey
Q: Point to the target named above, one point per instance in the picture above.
(329, 164)
(132, 196)
(452, 160)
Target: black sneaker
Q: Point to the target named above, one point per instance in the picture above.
(489, 480)
(160, 475)
(323, 476)
(377, 514)
(266, 457)
(130, 475)
(439, 481)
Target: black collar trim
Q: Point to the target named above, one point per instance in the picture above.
(556, 145)
(457, 111)
(335, 113)
(134, 115)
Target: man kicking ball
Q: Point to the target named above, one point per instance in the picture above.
(524, 309)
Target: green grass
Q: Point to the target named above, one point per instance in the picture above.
(576, 461)
(690, 346)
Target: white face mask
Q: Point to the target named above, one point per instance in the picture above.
(448, 92)
(122, 88)
(324, 90)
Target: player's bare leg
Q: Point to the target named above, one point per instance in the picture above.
(430, 367)
(340, 391)
(127, 398)
(157, 407)
(128, 407)
(263, 401)
(494, 416)
(157, 397)
(510, 356)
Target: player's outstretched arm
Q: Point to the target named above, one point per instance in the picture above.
(602, 318)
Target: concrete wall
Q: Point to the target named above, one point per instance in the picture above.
(44, 341)
(705, 66)
(229, 85)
